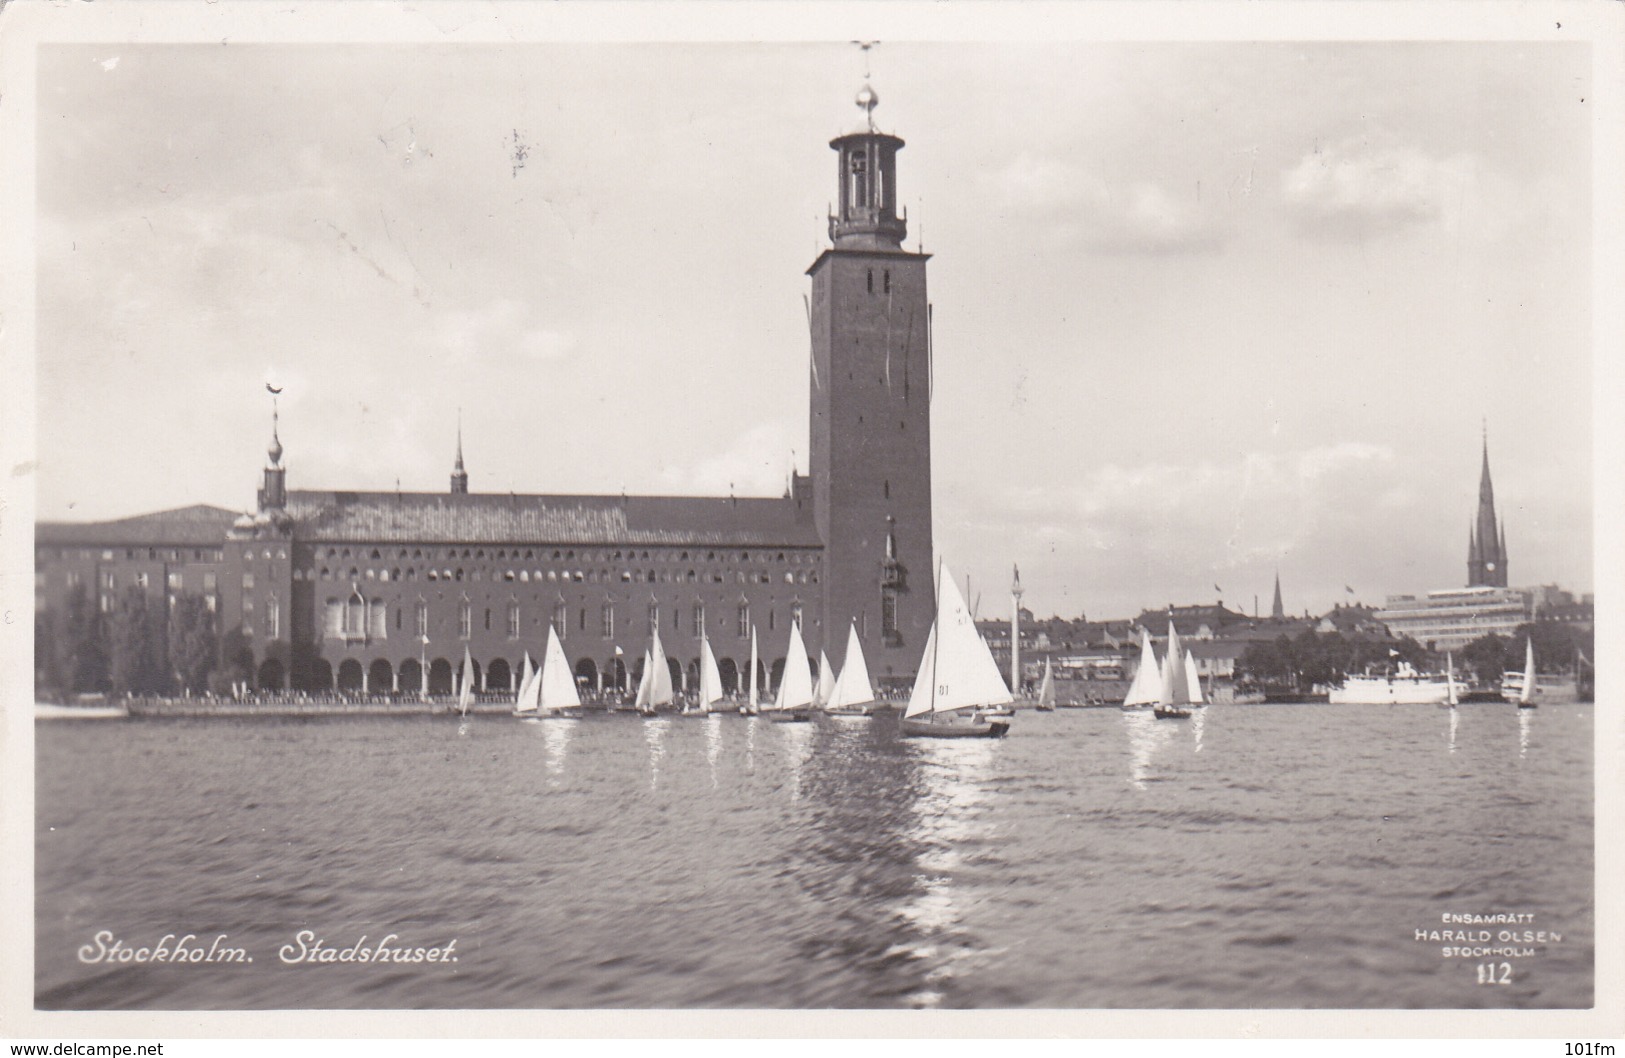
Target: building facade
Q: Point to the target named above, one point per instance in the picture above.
(383, 592)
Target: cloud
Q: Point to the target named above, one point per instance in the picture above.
(1356, 188)
(1081, 208)
(754, 463)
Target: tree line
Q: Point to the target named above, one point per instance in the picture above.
(1299, 663)
(137, 647)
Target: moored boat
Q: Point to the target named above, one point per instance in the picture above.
(97, 708)
(710, 695)
(958, 679)
(654, 688)
(1405, 686)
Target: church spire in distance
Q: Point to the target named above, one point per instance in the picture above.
(1277, 611)
(1486, 546)
(459, 476)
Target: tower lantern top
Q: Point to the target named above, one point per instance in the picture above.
(866, 218)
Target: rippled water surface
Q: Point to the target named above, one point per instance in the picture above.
(1257, 856)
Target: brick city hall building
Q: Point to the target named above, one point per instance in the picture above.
(379, 592)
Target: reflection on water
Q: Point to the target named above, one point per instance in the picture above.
(1524, 718)
(556, 736)
(1198, 722)
(798, 744)
(1455, 717)
(654, 732)
(1145, 734)
(951, 815)
(713, 744)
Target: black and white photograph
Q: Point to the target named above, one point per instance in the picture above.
(614, 509)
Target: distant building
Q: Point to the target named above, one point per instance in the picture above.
(1453, 617)
(387, 592)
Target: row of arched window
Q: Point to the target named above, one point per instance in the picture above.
(360, 618)
(525, 576)
(567, 554)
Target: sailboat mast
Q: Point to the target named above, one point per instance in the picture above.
(936, 640)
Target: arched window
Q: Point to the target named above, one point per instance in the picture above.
(699, 619)
(795, 612)
(607, 619)
(561, 619)
(513, 620)
(465, 620)
(743, 619)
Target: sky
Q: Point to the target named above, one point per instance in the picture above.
(1203, 312)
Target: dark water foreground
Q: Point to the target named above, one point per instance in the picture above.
(1259, 856)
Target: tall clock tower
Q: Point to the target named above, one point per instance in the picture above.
(871, 413)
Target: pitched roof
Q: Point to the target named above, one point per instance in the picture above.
(199, 524)
(415, 517)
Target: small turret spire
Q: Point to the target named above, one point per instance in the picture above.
(459, 476)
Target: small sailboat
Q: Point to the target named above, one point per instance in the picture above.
(710, 693)
(825, 683)
(553, 694)
(852, 695)
(1147, 685)
(958, 678)
(1046, 690)
(1193, 680)
(657, 678)
(465, 684)
(753, 699)
(522, 704)
(795, 697)
(1526, 693)
(1174, 701)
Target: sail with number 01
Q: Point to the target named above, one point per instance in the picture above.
(957, 674)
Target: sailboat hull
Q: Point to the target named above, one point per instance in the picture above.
(956, 728)
(788, 716)
(849, 710)
(1171, 712)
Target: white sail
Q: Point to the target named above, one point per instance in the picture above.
(556, 686)
(1528, 691)
(796, 688)
(755, 695)
(645, 682)
(958, 670)
(465, 682)
(1175, 684)
(852, 686)
(660, 692)
(522, 702)
(1046, 690)
(1450, 679)
(826, 681)
(1147, 685)
(1193, 679)
(919, 699)
(710, 675)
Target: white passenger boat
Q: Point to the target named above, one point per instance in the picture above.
(1405, 686)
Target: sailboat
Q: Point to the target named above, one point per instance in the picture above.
(795, 698)
(958, 678)
(1174, 701)
(553, 694)
(1193, 680)
(752, 704)
(1522, 689)
(710, 694)
(852, 695)
(1046, 690)
(465, 684)
(1147, 685)
(522, 705)
(825, 683)
(654, 690)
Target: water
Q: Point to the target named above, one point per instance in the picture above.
(1256, 856)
